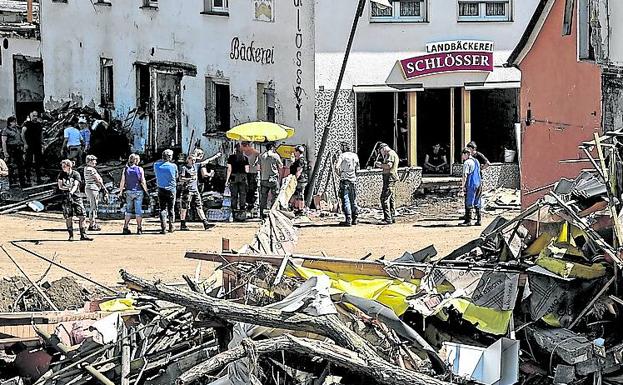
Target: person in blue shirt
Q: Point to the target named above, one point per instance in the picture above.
(166, 179)
(72, 143)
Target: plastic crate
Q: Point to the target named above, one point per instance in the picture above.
(219, 215)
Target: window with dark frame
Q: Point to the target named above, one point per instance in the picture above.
(143, 88)
(266, 102)
(220, 7)
(400, 11)
(478, 10)
(150, 4)
(217, 105)
(106, 83)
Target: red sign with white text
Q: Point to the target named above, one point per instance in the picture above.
(470, 61)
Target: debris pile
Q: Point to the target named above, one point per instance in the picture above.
(533, 300)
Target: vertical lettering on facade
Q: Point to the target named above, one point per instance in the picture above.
(298, 42)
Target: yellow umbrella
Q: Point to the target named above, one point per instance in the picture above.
(260, 132)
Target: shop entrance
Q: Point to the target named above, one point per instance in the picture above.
(381, 117)
(434, 125)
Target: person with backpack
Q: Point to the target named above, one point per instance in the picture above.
(135, 186)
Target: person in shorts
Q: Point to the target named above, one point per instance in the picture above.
(135, 186)
(191, 197)
(69, 181)
(93, 184)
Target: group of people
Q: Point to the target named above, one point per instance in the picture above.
(22, 150)
(173, 182)
(348, 163)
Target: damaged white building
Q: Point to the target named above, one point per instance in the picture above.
(192, 68)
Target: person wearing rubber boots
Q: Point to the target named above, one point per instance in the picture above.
(166, 179)
(471, 187)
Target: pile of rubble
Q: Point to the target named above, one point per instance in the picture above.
(533, 300)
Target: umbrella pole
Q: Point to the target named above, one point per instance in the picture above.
(325, 133)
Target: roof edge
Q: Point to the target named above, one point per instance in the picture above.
(530, 34)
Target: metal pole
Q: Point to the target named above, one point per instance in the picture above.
(325, 133)
(14, 243)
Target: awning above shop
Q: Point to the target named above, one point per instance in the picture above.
(381, 72)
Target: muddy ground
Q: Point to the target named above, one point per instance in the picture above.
(152, 255)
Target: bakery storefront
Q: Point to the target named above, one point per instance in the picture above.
(448, 95)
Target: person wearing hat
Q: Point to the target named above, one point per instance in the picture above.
(389, 165)
(93, 184)
(300, 168)
(72, 143)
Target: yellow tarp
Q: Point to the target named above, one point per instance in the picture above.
(568, 269)
(118, 304)
(393, 292)
(390, 292)
(487, 320)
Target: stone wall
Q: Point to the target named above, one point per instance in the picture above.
(496, 175)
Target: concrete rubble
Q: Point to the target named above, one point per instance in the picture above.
(534, 300)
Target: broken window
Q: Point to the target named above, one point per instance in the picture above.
(216, 6)
(400, 11)
(143, 87)
(266, 102)
(478, 10)
(217, 105)
(586, 50)
(106, 83)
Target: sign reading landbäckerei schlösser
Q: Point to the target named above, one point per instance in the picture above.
(450, 56)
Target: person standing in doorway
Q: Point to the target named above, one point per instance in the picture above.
(389, 165)
(346, 167)
(252, 157)
(270, 164)
(236, 180)
(32, 136)
(72, 143)
(166, 179)
(135, 186)
(471, 186)
(13, 149)
(69, 181)
(191, 197)
(93, 184)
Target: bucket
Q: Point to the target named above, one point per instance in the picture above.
(509, 155)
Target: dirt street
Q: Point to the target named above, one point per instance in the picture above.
(162, 256)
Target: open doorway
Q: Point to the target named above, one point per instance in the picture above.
(494, 113)
(381, 117)
(28, 85)
(166, 129)
(433, 128)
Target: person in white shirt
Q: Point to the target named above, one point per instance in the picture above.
(72, 143)
(346, 167)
